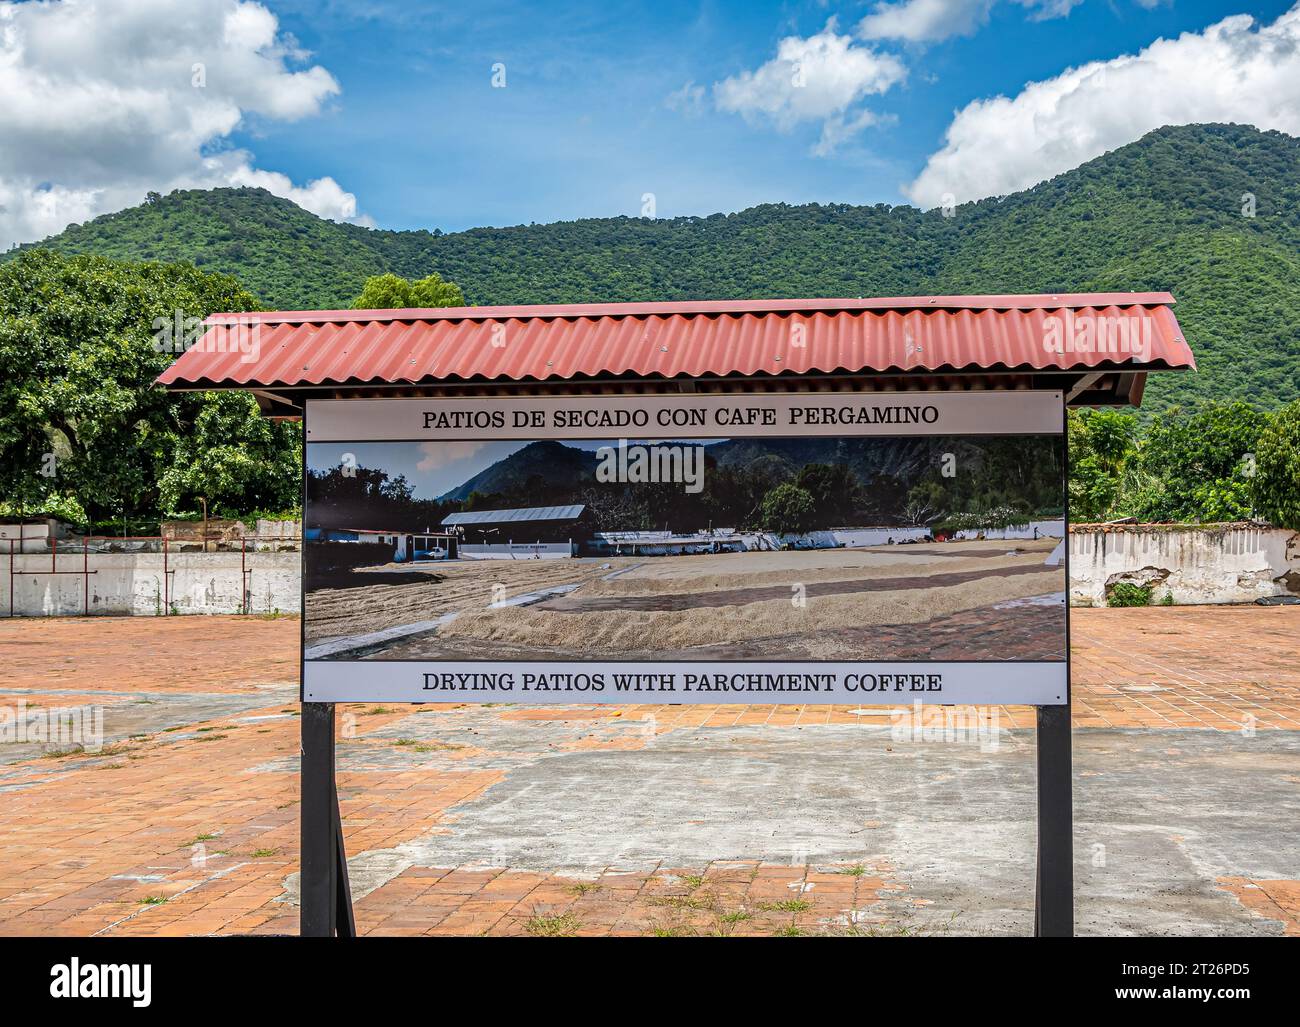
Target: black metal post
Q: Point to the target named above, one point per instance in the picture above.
(1054, 892)
(344, 921)
(320, 853)
(1054, 872)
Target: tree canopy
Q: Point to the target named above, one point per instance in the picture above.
(1276, 481)
(1200, 460)
(390, 291)
(1215, 462)
(84, 431)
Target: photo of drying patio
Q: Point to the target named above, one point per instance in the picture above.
(802, 549)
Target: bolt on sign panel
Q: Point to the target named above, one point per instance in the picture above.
(858, 548)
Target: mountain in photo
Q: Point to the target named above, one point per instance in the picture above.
(554, 473)
(538, 473)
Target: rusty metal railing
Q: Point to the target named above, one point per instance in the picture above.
(164, 543)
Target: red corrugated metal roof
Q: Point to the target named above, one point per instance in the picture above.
(287, 349)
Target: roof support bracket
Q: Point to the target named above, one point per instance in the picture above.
(1083, 385)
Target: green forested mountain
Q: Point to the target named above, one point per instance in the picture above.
(540, 474)
(1170, 211)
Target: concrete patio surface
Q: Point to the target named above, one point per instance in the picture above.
(669, 820)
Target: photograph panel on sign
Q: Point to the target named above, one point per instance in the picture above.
(800, 549)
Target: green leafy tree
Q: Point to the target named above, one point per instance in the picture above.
(613, 509)
(789, 508)
(349, 496)
(1104, 474)
(925, 502)
(1200, 459)
(82, 340)
(1276, 482)
(1113, 437)
(235, 459)
(735, 494)
(390, 291)
(835, 491)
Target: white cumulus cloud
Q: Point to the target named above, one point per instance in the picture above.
(929, 21)
(436, 455)
(105, 100)
(819, 78)
(1233, 71)
(923, 21)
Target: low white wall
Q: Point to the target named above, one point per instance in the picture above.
(30, 537)
(279, 529)
(1218, 563)
(1034, 529)
(1231, 563)
(875, 536)
(853, 537)
(132, 583)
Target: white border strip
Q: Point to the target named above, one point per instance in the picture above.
(541, 683)
(823, 414)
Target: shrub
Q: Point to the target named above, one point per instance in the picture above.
(788, 508)
(1276, 484)
(1126, 594)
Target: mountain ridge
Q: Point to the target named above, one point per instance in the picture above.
(1210, 213)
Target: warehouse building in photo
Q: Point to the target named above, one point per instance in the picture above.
(532, 531)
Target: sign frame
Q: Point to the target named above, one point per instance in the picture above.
(326, 907)
(887, 680)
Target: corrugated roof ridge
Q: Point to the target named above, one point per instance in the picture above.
(921, 339)
(562, 512)
(705, 308)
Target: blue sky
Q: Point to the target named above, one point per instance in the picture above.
(584, 126)
(432, 468)
(435, 468)
(384, 112)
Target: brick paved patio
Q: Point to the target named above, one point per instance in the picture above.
(673, 820)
